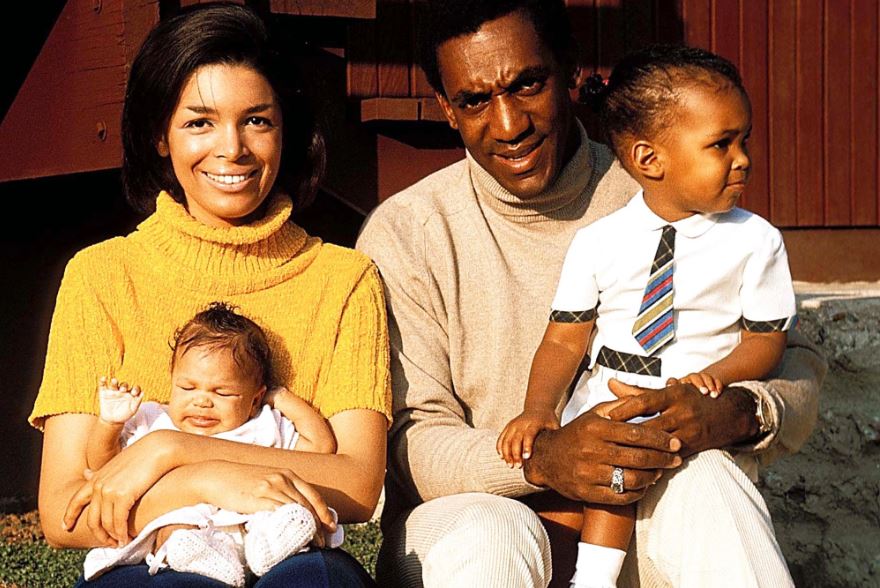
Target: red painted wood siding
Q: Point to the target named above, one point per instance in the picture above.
(810, 66)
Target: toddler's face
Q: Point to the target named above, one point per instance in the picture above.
(705, 152)
(210, 393)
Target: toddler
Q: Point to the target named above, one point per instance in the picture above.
(679, 284)
(220, 369)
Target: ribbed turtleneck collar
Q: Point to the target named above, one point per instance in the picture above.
(574, 179)
(228, 260)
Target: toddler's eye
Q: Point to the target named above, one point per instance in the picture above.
(722, 144)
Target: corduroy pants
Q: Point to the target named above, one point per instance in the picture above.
(702, 525)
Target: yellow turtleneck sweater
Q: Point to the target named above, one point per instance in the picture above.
(120, 302)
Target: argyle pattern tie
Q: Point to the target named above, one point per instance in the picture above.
(654, 326)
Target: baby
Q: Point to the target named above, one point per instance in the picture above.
(220, 370)
(680, 284)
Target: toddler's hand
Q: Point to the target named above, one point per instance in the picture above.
(516, 440)
(705, 383)
(118, 402)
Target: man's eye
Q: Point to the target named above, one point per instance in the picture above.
(529, 87)
(472, 102)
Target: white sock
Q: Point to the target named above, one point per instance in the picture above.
(597, 566)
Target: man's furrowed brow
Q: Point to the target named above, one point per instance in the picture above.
(529, 74)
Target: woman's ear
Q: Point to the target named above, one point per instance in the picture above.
(645, 160)
(162, 147)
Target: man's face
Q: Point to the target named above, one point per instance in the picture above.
(508, 97)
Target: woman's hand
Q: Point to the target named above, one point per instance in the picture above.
(111, 492)
(251, 488)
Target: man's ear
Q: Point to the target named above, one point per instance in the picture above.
(446, 107)
(645, 159)
(162, 147)
(577, 78)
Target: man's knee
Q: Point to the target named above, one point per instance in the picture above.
(473, 540)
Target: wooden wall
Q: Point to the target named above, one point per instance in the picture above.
(811, 68)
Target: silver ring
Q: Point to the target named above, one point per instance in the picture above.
(617, 481)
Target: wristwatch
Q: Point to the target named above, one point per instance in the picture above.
(763, 414)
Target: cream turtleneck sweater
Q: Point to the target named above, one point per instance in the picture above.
(120, 302)
(470, 271)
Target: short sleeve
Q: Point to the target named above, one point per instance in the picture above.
(84, 343)
(577, 294)
(359, 375)
(767, 295)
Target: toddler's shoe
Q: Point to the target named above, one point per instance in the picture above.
(275, 535)
(205, 552)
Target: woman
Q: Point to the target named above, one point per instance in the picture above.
(214, 138)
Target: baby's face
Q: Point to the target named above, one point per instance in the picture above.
(210, 393)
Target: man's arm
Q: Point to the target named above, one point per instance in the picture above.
(791, 396)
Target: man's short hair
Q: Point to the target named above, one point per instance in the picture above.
(442, 20)
(220, 327)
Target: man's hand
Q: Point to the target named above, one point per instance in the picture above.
(700, 422)
(578, 459)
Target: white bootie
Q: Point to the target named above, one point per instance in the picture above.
(206, 552)
(273, 536)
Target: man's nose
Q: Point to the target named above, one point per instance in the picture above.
(509, 121)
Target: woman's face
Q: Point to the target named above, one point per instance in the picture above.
(224, 141)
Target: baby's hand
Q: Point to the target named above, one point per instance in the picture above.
(277, 394)
(705, 383)
(118, 402)
(516, 440)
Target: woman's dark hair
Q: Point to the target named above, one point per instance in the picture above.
(442, 20)
(205, 35)
(638, 99)
(220, 327)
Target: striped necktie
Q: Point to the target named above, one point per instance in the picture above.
(654, 326)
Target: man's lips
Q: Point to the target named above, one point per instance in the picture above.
(520, 160)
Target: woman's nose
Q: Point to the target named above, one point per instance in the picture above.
(230, 143)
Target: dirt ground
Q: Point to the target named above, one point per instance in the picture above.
(825, 500)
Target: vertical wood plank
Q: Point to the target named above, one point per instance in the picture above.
(726, 27)
(754, 65)
(864, 111)
(668, 23)
(362, 74)
(584, 25)
(418, 81)
(394, 47)
(697, 16)
(809, 100)
(638, 20)
(782, 117)
(837, 88)
(611, 31)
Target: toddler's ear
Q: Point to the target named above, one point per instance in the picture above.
(645, 160)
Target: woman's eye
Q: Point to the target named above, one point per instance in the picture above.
(259, 121)
(199, 123)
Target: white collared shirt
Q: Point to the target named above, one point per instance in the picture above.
(726, 266)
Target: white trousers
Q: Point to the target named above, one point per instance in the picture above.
(702, 525)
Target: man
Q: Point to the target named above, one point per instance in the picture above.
(470, 257)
